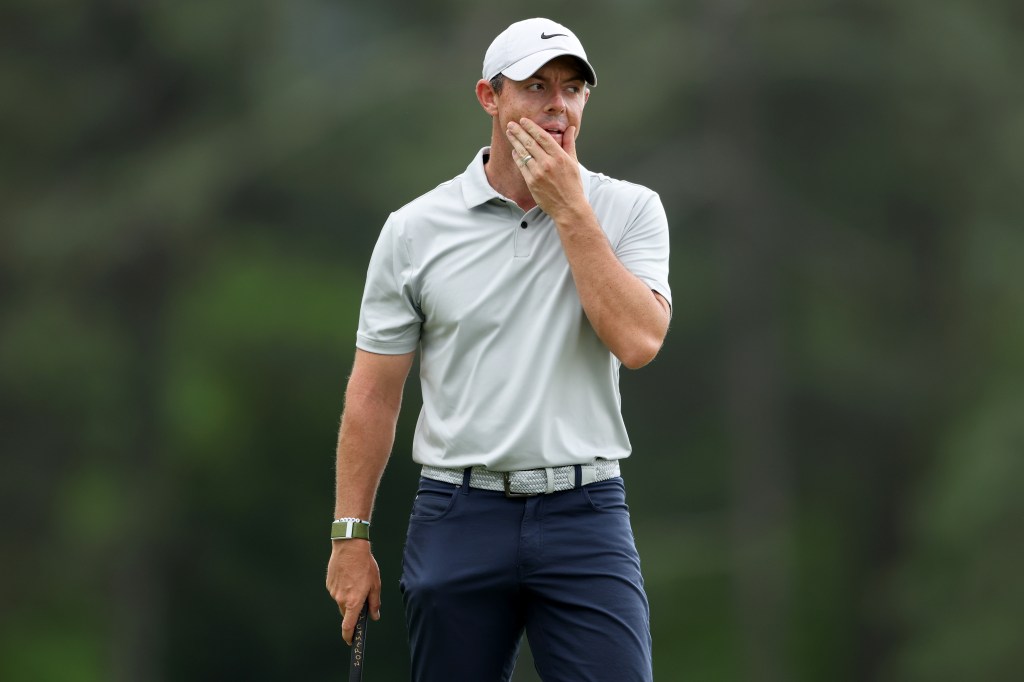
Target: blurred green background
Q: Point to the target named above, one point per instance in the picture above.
(827, 454)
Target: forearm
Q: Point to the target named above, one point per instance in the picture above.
(629, 318)
(364, 446)
(373, 400)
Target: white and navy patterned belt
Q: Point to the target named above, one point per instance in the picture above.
(528, 482)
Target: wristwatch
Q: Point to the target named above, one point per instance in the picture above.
(349, 528)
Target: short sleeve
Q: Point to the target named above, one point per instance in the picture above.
(389, 317)
(644, 245)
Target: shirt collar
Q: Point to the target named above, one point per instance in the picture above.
(476, 190)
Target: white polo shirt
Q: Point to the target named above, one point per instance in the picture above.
(513, 376)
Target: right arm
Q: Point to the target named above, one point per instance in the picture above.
(372, 403)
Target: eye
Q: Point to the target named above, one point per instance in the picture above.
(535, 87)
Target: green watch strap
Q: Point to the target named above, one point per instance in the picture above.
(347, 530)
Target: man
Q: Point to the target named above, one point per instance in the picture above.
(524, 282)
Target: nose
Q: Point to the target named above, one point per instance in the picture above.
(556, 103)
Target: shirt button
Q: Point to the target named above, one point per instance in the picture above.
(523, 224)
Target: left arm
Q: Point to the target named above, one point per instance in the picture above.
(629, 318)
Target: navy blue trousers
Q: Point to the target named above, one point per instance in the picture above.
(480, 568)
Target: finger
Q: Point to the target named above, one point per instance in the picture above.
(528, 142)
(518, 134)
(518, 149)
(348, 624)
(520, 155)
(375, 605)
(545, 141)
(521, 143)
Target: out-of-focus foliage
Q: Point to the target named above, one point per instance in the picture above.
(826, 453)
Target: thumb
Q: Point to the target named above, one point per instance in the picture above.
(569, 141)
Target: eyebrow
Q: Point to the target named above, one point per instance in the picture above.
(578, 76)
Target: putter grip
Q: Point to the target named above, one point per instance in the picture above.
(358, 660)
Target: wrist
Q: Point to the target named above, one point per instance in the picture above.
(572, 215)
(350, 528)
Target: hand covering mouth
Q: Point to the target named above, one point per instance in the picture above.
(555, 132)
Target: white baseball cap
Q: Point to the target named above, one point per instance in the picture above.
(525, 46)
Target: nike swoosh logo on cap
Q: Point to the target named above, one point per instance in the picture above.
(545, 36)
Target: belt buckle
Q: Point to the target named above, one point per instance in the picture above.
(508, 488)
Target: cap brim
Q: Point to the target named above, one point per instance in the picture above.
(528, 66)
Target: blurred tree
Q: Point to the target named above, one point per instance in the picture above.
(825, 451)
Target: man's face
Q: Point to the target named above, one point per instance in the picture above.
(553, 98)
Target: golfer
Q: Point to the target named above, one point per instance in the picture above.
(524, 283)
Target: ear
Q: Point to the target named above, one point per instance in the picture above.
(487, 97)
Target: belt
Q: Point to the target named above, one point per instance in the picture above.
(528, 482)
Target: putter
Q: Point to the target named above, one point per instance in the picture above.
(358, 660)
